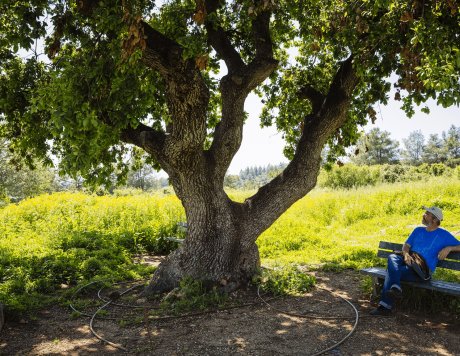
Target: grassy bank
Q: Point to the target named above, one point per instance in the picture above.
(53, 241)
(344, 227)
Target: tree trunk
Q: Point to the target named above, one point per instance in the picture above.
(218, 248)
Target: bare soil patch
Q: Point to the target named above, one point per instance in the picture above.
(248, 330)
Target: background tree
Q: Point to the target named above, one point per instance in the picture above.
(17, 183)
(232, 181)
(376, 147)
(452, 145)
(119, 74)
(146, 178)
(142, 173)
(414, 145)
(434, 150)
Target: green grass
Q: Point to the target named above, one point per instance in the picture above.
(53, 241)
(286, 280)
(343, 228)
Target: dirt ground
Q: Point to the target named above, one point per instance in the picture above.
(256, 329)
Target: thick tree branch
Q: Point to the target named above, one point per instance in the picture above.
(219, 40)
(186, 92)
(161, 53)
(300, 175)
(145, 137)
(235, 87)
(316, 98)
(264, 63)
(333, 112)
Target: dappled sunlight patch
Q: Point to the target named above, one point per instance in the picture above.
(240, 342)
(83, 329)
(285, 323)
(293, 320)
(329, 323)
(438, 349)
(387, 332)
(68, 346)
(281, 332)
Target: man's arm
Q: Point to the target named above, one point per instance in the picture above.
(406, 248)
(446, 250)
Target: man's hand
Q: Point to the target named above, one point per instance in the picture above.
(407, 258)
(444, 252)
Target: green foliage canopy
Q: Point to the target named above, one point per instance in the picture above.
(79, 99)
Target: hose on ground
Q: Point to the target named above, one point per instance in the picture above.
(262, 301)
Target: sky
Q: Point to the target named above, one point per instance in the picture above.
(261, 147)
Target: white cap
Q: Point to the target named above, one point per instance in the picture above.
(435, 211)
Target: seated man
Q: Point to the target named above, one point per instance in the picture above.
(427, 244)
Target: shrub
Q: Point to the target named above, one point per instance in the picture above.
(192, 295)
(394, 173)
(423, 168)
(350, 176)
(286, 280)
(438, 169)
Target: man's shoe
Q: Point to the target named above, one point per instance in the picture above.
(394, 293)
(381, 311)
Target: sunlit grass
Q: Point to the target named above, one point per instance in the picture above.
(68, 238)
(344, 227)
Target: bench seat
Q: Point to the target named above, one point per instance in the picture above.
(436, 285)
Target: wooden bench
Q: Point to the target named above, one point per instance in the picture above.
(452, 262)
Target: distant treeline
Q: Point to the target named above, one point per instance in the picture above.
(377, 147)
(253, 177)
(353, 176)
(347, 176)
(28, 183)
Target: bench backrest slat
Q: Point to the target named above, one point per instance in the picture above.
(452, 261)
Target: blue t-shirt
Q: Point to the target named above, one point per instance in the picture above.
(429, 243)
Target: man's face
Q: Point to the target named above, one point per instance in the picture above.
(428, 219)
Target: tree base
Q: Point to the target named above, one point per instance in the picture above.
(169, 273)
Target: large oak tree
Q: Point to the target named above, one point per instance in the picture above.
(171, 78)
